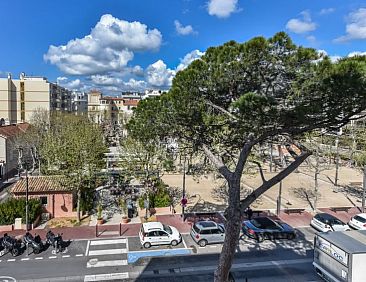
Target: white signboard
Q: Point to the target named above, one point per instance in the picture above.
(332, 250)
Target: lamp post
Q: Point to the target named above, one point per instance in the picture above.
(26, 199)
(364, 189)
(183, 202)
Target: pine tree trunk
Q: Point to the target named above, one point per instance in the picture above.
(233, 224)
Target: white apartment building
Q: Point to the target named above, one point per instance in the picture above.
(152, 93)
(79, 102)
(20, 98)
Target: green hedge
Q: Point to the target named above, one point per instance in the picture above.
(160, 198)
(14, 208)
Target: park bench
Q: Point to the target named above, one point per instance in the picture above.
(335, 209)
(289, 211)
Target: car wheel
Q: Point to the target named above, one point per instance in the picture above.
(147, 245)
(260, 238)
(174, 243)
(202, 243)
(36, 251)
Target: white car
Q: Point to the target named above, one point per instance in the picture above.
(156, 233)
(325, 222)
(358, 221)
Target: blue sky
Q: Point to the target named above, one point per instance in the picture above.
(117, 45)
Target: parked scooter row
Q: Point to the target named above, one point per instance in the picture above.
(15, 246)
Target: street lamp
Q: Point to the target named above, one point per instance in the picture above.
(20, 156)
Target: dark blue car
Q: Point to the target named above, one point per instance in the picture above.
(261, 228)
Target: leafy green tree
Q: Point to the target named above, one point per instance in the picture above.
(74, 147)
(241, 94)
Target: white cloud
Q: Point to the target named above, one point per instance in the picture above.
(356, 26)
(356, 53)
(105, 80)
(183, 30)
(189, 58)
(109, 47)
(326, 11)
(222, 8)
(301, 25)
(69, 84)
(311, 38)
(159, 75)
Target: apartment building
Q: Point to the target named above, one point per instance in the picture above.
(79, 102)
(106, 108)
(20, 98)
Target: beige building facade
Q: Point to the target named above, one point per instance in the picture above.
(20, 98)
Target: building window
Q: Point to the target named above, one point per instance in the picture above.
(22, 116)
(44, 200)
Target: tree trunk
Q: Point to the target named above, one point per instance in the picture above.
(233, 224)
(78, 205)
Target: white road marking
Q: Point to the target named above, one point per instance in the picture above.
(107, 252)
(52, 257)
(11, 259)
(79, 255)
(39, 258)
(66, 256)
(184, 243)
(25, 258)
(108, 242)
(87, 248)
(107, 263)
(105, 277)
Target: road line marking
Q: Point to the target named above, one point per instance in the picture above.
(79, 255)
(108, 242)
(66, 256)
(25, 258)
(107, 263)
(184, 243)
(39, 258)
(105, 277)
(107, 252)
(52, 257)
(11, 259)
(87, 248)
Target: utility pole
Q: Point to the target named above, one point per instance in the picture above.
(337, 164)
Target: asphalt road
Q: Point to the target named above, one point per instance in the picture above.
(106, 259)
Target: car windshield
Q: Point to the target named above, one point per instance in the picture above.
(264, 223)
(167, 229)
(360, 219)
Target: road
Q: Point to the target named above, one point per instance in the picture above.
(111, 260)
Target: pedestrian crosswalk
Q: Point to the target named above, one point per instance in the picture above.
(105, 254)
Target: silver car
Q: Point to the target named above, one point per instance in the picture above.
(207, 232)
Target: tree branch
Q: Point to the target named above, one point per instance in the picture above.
(260, 171)
(221, 110)
(244, 153)
(217, 161)
(273, 181)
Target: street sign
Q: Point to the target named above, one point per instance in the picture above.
(184, 202)
(146, 204)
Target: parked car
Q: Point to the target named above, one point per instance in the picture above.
(358, 221)
(261, 228)
(325, 222)
(207, 232)
(156, 233)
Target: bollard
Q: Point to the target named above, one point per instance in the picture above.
(96, 230)
(120, 229)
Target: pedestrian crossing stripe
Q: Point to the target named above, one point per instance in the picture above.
(107, 252)
(108, 242)
(105, 263)
(106, 277)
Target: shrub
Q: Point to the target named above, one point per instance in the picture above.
(14, 208)
(159, 198)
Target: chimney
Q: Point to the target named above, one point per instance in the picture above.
(22, 75)
(9, 75)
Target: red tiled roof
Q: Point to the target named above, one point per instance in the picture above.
(130, 102)
(12, 130)
(40, 184)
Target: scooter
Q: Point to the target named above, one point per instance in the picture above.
(54, 240)
(11, 245)
(34, 242)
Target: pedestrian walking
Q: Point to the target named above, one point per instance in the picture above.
(249, 212)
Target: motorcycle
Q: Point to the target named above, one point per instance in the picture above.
(11, 245)
(54, 240)
(34, 242)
